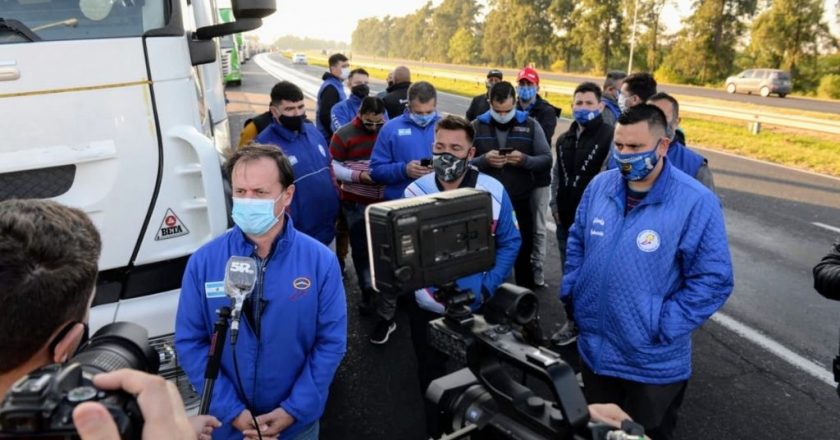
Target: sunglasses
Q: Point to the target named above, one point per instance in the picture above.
(373, 124)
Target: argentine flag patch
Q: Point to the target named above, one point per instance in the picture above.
(215, 289)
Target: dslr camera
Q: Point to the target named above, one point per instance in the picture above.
(40, 405)
(511, 388)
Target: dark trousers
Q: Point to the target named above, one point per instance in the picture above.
(431, 363)
(354, 217)
(525, 219)
(653, 406)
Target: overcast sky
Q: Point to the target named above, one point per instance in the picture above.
(335, 20)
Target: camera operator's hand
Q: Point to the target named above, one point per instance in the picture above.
(204, 426)
(414, 170)
(159, 401)
(271, 424)
(607, 413)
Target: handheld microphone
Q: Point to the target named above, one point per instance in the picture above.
(240, 279)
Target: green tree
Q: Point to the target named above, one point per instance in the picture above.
(463, 47)
(783, 40)
(705, 49)
(563, 15)
(599, 33)
(517, 33)
(448, 19)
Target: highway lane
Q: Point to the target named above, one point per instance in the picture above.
(790, 102)
(738, 389)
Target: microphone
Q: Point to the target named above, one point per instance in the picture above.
(240, 279)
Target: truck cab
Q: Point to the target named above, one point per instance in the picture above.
(117, 108)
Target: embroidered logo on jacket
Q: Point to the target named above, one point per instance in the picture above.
(301, 285)
(648, 240)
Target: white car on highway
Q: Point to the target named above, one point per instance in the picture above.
(299, 58)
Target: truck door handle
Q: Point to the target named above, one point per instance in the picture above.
(9, 73)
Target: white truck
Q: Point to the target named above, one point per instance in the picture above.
(117, 108)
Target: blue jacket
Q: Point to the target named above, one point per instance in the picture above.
(315, 204)
(303, 328)
(329, 81)
(506, 233)
(400, 141)
(612, 106)
(641, 284)
(680, 156)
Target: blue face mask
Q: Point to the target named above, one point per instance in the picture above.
(526, 93)
(255, 216)
(636, 166)
(422, 120)
(583, 116)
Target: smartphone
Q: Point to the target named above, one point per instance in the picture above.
(505, 151)
(425, 162)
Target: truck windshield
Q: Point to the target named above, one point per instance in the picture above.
(52, 20)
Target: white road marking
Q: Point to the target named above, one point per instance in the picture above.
(786, 354)
(825, 226)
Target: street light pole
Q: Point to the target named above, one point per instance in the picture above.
(633, 37)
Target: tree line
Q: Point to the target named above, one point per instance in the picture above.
(718, 38)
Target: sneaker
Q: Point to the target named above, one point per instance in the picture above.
(382, 331)
(566, 335)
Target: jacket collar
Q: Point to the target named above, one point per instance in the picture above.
(286, 134)
(485, 118)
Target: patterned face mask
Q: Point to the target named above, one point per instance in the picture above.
(637, 166)
(449, 168)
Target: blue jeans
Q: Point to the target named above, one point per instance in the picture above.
(309, 433)
(354, 214)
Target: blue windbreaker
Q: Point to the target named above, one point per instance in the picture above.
(506, 233)
(303, 329)
(641, 284)
(316, 202)
(400, 141)
(329, 81)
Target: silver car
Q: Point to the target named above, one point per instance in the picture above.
(762, 81)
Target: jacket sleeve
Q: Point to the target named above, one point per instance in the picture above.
(471, 112)
(541, 159)
(548, 121)
(335, 118)
(706, 269)
(328, 99)
(575, 247)
(555, 182)
(508, 242)
(827, 274)
(309, 395)
(248, 134)
(704, 176)
(383, 168)
(192, 343)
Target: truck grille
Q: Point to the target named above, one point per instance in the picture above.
(171, 371)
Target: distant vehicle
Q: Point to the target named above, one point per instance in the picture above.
(763, 81)
(299, 58)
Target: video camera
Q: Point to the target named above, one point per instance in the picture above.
(432, 241)
(40, 405)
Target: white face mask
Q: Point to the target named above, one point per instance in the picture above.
(345, 72)
(622, 102)
(502, 119)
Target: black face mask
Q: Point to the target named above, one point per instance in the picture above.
(63, 333)
(360, 91)
(293, 123)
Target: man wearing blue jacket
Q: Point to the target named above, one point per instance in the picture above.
(316, 206)
(647, 263)
(293, 334)
(453, 150)
(331, 93)
(405, 141)
(344, 112)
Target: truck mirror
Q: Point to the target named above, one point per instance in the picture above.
(202, 51)
(253, 8)
(234, 27)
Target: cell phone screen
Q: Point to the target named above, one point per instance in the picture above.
(425, 162)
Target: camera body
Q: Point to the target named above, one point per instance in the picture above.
(40, 405)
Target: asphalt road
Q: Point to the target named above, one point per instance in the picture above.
(738, 391)
(791, 102)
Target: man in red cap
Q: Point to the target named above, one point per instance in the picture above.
(546, 115)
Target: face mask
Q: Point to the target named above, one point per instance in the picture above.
(422, 120)
(255, 216)
(526, 93)
(448, 168)
(293, 123)
(636, 166)
(583, 116)
(622, 102)
(345, 72)
(360, 91)
(502, 119)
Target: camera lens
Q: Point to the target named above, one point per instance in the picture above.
(119, 345)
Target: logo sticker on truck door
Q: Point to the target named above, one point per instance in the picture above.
(171, 227)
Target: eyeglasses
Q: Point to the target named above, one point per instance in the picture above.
(373, 124)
